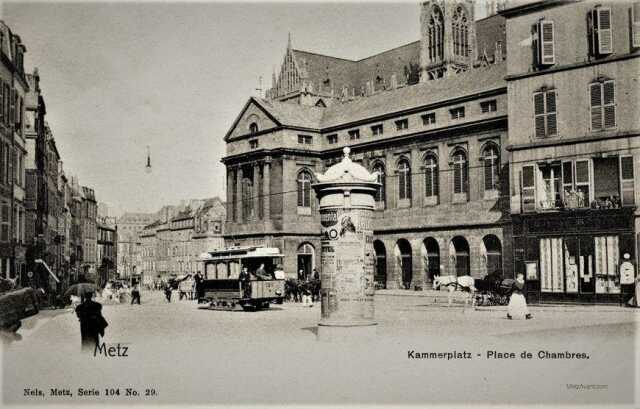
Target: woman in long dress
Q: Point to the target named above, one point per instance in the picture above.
(517, 308)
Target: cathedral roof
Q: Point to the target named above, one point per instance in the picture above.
(414, 96)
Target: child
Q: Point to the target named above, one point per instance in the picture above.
(518, 304)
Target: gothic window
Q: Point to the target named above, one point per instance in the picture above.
(381, 193)
(404, 179)
(491, 167)
(435, 34)
(460, 26)
(304, 189)
(253, 128)
(431, 175)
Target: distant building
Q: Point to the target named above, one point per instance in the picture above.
(107, 250)
(129, 243)
(89, 234)
(171, 246)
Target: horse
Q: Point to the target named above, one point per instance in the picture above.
(453, 283)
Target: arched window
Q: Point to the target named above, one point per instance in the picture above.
(431, 175)
(381, 193)
(404, 179)
(493, 253)
(435, 34)
(491, 159)
(460, 26)
(253, 128)
(460, 171)
(304, 189)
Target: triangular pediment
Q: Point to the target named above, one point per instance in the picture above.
(252, 113)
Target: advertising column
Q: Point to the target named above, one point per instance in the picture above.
(346, 192)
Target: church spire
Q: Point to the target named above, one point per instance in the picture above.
(289, 41)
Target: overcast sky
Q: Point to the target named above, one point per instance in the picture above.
(117, 77)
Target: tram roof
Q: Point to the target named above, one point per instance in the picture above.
(241, 252)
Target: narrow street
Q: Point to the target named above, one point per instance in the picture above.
(272, 356)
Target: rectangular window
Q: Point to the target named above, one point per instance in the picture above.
(583, 183)
(354, 134)
(429, 119)
(5, 222)
(601, 33)
(305, 139)
(544, 104)
(489, 106)
(635, 24)
(545, 43)
(332, 139)
(627, 181)
(528, 188)
(377, 130)
(253, 144)
(457, 113)
(402, 124)
(603, 105)
(567, 180)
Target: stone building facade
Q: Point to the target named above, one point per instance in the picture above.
(430, 116)
(171, 246)
(573, 92)
(129, 244)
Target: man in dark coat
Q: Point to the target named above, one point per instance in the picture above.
(92, 323)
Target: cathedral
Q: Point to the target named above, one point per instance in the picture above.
(430, 116)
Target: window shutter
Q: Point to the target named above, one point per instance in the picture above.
(300, 194)
(538, 104)
(635, 24)
(12, 107)
(1, 101)
(401, 185)
(626, 180)
(567, 175)
(596, 106)
(609, 104)
(457, 178)
(408, 184)
(546, 43)
(552, 128)
(604, 35)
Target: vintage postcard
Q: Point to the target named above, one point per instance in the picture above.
(324, 204)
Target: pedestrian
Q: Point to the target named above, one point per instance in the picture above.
(307, 301)
(92, 323)
(245, 278)
(167, 292)
(316, 274)
(301, 274)
(517, 308)
(199, 292)
(135, 295)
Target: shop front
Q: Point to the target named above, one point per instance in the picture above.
(576, 255)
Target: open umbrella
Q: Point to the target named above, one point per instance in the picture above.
(80, 289)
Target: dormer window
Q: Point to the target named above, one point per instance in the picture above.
(354, 134)
(253, 128)
(332, 139)
(305, 139)
(253, 144)
(429, 119)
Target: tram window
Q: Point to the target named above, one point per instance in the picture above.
(221, 270)
(234, 269)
